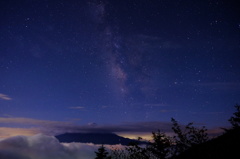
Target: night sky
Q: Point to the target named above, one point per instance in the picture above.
(117, 65)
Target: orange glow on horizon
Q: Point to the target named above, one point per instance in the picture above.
(6, 132)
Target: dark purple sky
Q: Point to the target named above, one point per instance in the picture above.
(114, 62)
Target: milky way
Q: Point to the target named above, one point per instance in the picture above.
(104, 64)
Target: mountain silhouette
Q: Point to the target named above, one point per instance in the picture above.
(225, 146)
(96, 138)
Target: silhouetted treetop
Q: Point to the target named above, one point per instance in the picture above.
(102, 153)
(235, 119)
(188, 137)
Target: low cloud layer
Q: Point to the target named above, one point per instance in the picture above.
(44, 147)
(29, 126)
(34, 126)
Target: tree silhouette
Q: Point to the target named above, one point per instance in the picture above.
(188, 137)
(182, 144)
(102, 153)
(137, 152)
(119, 153)
(161, 145)
(235, 119)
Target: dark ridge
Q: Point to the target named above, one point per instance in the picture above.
(222, 147)
(96, 138)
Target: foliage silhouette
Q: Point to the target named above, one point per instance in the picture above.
(225, 146)
(190, 136)
(136, 152)
(188, 142)
(235, 119)
(102, 153)
(163, 146)
(117, 153)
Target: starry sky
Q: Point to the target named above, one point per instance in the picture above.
(117, 65)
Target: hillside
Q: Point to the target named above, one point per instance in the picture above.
(222, 147)
(96, 138)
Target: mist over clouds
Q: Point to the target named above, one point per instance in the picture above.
(44, 147)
